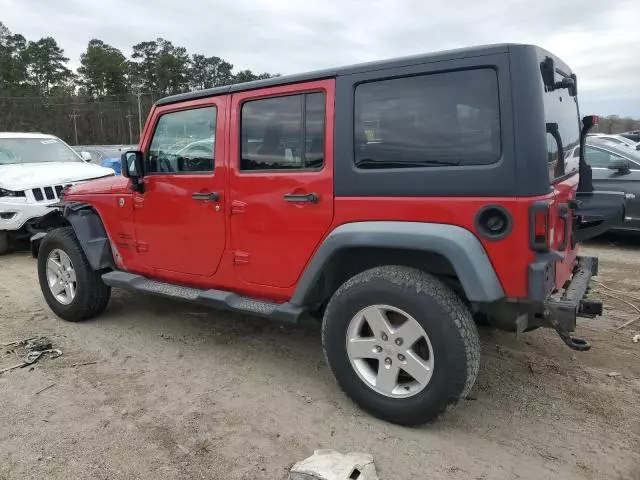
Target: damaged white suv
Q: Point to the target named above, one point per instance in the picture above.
(34, 168)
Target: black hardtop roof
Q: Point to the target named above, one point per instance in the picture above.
(347, 70)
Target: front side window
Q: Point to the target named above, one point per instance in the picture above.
(431, 120)
(184, 142)
(35, 150)
(283, 133)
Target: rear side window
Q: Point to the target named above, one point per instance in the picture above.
(283, 133)
(431, 120)
(563, 130)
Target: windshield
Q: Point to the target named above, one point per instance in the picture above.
(35, 150)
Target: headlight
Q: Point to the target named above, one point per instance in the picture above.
(10, 193)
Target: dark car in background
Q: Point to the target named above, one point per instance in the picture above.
(634, 135)
(614, 168)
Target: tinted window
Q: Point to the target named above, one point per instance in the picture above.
(314, 130)
(563, 128)
(428, 120)
(283, 133)
(184, 141)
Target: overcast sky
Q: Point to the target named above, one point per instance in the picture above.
(600, 40)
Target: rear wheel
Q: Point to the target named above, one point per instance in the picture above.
(72, 289)
(401, 344)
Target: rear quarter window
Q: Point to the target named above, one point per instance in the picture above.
(442, 119)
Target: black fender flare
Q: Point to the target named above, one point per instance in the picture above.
(89, 230)
(458, 245)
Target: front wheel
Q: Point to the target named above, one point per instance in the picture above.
(401, 344)
(4, 242)
(71, 288)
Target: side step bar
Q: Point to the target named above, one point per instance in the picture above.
(218, 299)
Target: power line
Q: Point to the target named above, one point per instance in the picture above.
(45, 103)
(88, 96)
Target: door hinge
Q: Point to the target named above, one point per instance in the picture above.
(237, 207)
(240, 258)
(142, 247)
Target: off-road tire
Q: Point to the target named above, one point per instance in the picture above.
(92, 295)
(5, 245)
(441, 313)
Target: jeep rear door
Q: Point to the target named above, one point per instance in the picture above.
(280, 179)
(563, 136)
(179, 218)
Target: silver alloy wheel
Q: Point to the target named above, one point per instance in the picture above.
(390, 351)
(61, 276)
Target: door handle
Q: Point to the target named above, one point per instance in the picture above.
(215, 196)
(303, 198)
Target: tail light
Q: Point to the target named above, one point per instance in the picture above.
(540, 228)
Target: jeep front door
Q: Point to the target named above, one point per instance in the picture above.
(280, 179)
(180, 223)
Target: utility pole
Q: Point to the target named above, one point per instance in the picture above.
(138, 94)
(75, 116)
(128, 117)
(103, 136)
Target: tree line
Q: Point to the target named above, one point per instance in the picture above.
(616, 124)
(109, 95)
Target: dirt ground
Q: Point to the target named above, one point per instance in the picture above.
(178, 392)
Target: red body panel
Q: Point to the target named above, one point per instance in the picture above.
(563, 192)
(510, 260)
(170, 225)
(259, 245)
(103, 185)
(272, 239)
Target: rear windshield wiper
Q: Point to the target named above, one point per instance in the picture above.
(371, 163)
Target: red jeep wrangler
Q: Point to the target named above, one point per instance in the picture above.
(394, 200)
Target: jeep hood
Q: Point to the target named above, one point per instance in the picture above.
(29, 175)
(113, 185)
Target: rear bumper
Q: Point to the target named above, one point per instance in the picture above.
(561, 313)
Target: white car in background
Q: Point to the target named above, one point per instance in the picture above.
(615, 139)
(34, 169)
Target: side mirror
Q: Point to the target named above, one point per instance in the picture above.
(132, 164)
(86, 156)
(621, 165)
